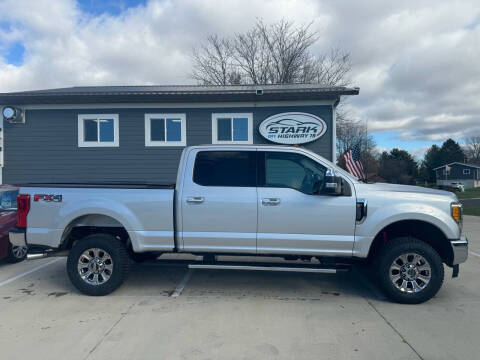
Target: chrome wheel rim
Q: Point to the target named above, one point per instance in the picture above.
(19, 252)
(95, 266)
(410, 273)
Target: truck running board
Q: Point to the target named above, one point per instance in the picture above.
(270, 267)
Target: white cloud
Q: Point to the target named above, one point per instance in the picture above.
(144, 45)
(415, 62)
(419, 153)
(380, 149)
(428, 71)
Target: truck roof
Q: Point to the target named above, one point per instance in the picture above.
(112, 185)
(248, 145)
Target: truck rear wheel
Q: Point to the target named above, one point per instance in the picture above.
(409, 270)
(98, 264)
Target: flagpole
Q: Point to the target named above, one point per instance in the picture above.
(366, 147)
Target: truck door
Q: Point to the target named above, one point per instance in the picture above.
(292, 218)
(219, 202)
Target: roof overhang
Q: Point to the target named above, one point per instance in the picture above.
(177, 94)
(458, 163)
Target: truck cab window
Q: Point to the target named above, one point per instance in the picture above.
(295, 171)
(225, 168)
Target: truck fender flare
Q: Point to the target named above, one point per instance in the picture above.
(395, 213)
(376, 221)
(122, 215)
(405, 217)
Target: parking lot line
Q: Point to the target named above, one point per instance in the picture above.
(395, 329)
(8, 281)
(178, 290)
(474, 253)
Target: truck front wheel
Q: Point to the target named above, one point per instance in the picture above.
(409, 270)
(98, 264)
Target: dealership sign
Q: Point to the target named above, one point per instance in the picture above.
(293, 128)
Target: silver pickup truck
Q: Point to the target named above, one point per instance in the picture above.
(248, 202)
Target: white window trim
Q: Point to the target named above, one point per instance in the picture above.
(183, 129)
(466, 172)
(83, 143)
(216, 116)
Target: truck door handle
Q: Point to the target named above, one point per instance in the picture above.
(271, 201)
(195, 199)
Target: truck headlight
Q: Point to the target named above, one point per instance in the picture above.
(456, 211)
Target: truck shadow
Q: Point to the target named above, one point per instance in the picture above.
(160, 280)
(153, 280)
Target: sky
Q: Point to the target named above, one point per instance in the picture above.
(417, 63)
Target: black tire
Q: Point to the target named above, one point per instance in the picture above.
(13, 257)
(118, 254)
(406, 245)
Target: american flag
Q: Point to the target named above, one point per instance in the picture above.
(353, 163)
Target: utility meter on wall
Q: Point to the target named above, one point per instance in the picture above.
(12, 114)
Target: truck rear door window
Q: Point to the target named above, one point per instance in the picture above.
(225, 168)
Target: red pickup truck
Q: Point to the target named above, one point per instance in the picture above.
(8, 219)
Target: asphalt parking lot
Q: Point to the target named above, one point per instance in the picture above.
(175, 313)
(470, 202)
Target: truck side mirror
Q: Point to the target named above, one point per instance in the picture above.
(333, 184)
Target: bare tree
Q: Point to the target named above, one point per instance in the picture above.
(280, 53)
(334, 68)
(288, 49)
(472, 149)
(213, 62)
(253, 57)
(351, 133)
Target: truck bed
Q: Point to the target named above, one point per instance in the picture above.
(145, 211)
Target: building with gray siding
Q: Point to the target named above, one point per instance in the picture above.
(137, 133)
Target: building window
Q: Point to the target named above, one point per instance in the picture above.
(232, 129)
(165, 130)
(98, 130)
(466, 171)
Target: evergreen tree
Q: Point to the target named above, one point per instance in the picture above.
(451, 152)
(398, 166)
(432, 160)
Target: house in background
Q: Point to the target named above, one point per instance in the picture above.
(467, 174)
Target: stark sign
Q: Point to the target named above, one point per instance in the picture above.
(293, 128)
